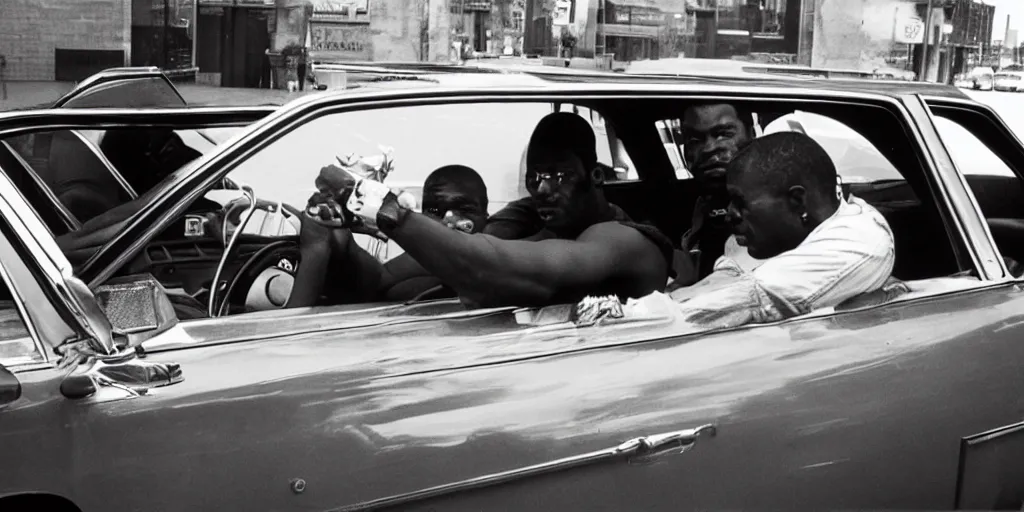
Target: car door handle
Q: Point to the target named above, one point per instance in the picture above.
(636, 450)
(653, 446)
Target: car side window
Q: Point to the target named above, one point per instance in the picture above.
(987, 158)
(610, 150)
(855, 158)
(970, 155)
(490, 138)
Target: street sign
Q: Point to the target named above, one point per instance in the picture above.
(909, 31)
(560, 16)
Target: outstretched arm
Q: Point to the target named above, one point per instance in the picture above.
(490, 271)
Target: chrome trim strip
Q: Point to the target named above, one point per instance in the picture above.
(195, 328)
(69, 219)
(110, 167)
(959, 197)
(213, 166)
(639, 447)
(26, 121)
(25, 365)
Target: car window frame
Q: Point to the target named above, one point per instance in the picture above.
(265, 132)
(957, 192)
(27, 266)
(957, 237)
(170, 201)
(38, 354)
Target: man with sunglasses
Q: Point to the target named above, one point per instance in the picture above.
(586, 246)
(453, 195)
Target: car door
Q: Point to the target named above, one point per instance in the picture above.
(874, 406)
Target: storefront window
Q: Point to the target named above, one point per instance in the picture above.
(162, 33)
(755, 16)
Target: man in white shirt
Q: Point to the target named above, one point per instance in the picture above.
(816, 249)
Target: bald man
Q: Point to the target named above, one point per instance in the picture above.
(818, 249)
(586, 245)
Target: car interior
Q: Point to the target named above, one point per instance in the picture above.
(187, 261)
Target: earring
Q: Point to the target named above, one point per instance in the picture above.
(803, 218)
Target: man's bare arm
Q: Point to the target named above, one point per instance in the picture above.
(490, 271)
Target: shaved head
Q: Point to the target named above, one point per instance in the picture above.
(780, 187)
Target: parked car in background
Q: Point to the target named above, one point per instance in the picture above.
(982, 78)
(1008, 81)
(145, 366)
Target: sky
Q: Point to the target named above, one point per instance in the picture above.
(1013, 8)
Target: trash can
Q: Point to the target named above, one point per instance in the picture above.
(332, 77)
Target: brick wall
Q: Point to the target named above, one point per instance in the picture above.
(30, 30)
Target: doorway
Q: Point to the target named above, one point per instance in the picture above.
(232, 43)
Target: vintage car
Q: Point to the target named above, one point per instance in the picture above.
(147, 363)
(982, 78)
(1008, 81)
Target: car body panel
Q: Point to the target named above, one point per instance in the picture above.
(340, 408)
(364, 414)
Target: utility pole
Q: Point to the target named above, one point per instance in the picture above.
(925, 58)
(1006, 41)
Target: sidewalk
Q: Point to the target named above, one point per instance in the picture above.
(40, 94)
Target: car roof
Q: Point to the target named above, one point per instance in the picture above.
(501, 72)
(497, 72)
(892, 88)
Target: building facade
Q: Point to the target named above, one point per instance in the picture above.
(64, 39)
(221, 42)
(68, 40)
(889, 36)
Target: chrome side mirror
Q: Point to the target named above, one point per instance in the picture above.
(137, 306)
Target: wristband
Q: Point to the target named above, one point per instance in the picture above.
(391, 213)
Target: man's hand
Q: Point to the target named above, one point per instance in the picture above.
(365, 199)
(317, 236)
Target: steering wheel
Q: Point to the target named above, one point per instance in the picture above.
(282, 256)
(278, 210)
